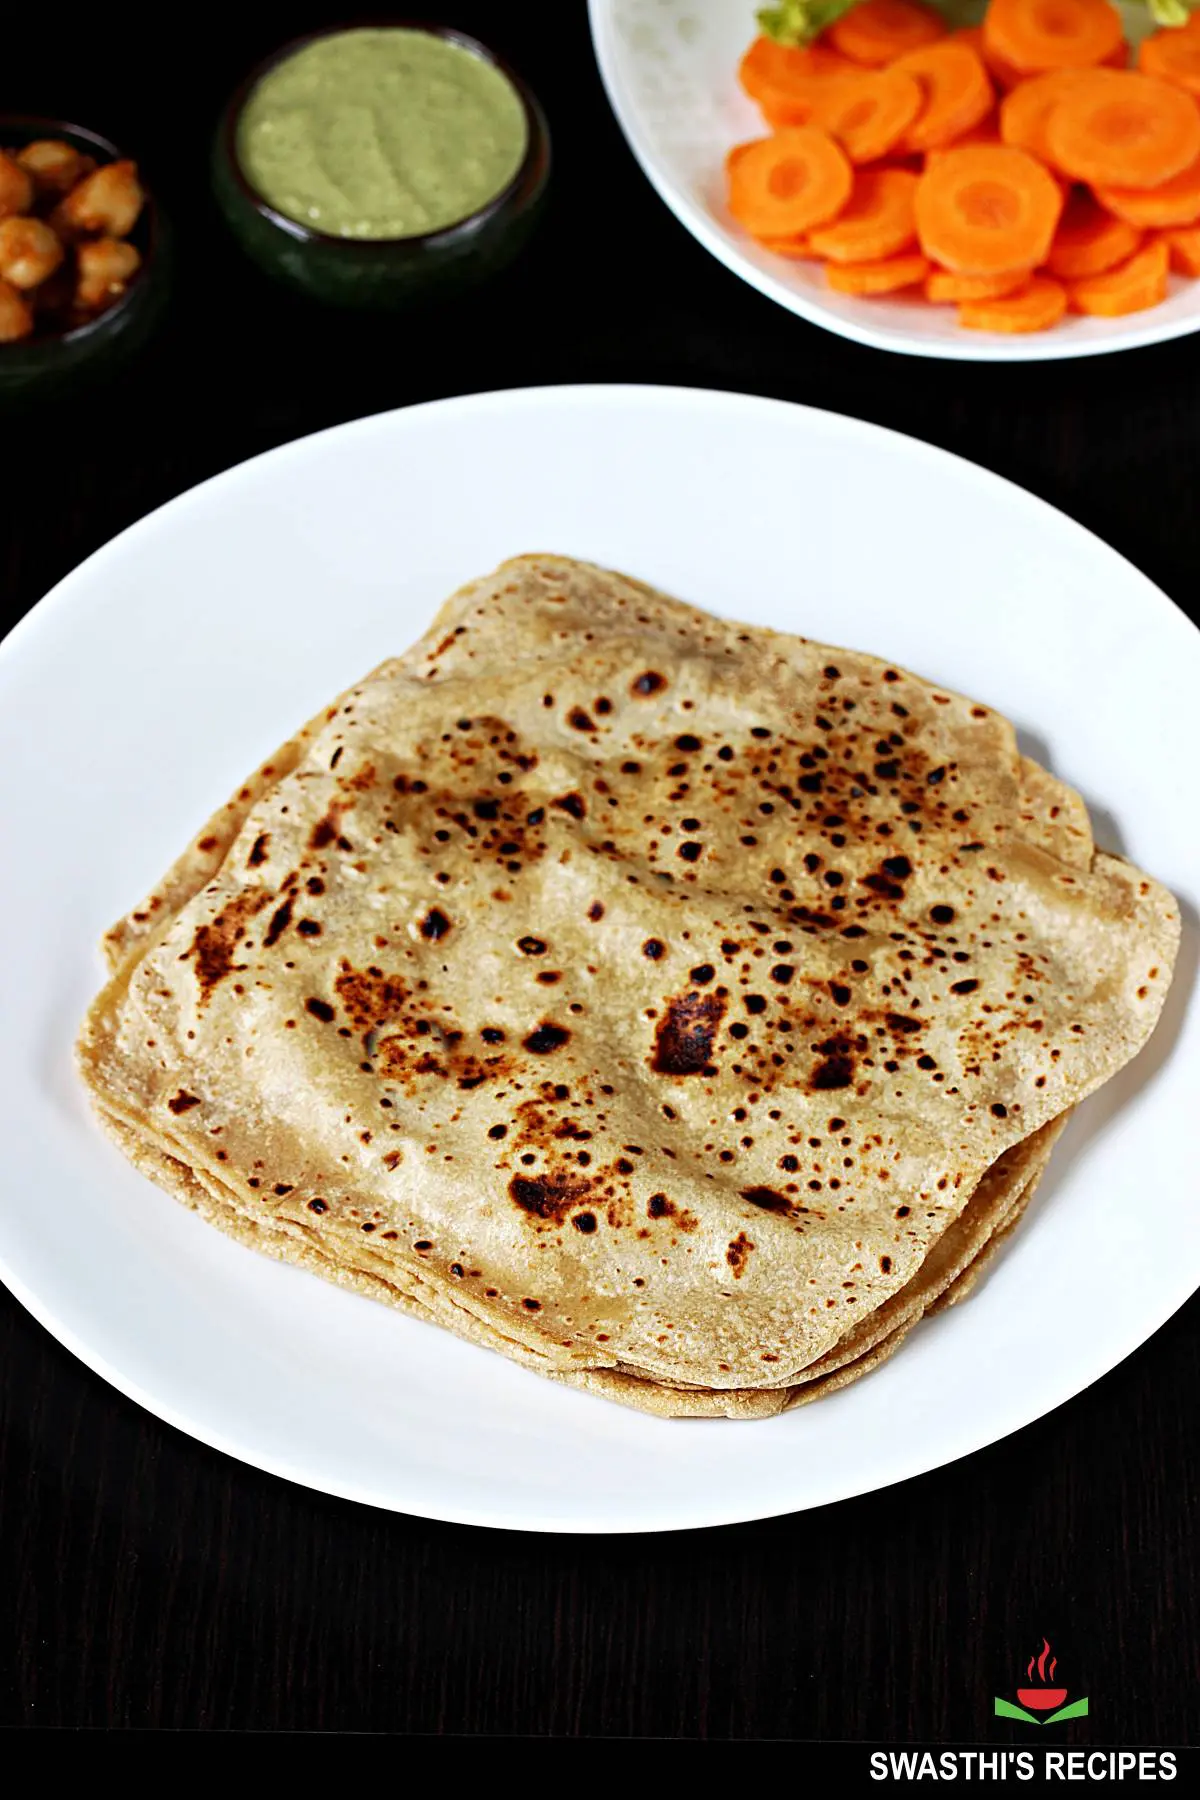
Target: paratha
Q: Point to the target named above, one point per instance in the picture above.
(641, 994)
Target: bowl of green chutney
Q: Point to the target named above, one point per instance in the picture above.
(377, 165)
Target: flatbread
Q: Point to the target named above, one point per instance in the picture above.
(644, 995)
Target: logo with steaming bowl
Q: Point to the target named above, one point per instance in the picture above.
(1041, 1702)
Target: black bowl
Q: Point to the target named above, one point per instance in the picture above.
(38, 367)
(381, 273)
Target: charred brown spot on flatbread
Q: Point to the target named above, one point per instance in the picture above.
(737, 1254)
(684, 1037)
(214, 948)
(550, 1197)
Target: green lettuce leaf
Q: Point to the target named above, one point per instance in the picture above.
(797, 22)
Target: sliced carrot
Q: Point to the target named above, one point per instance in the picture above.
(878, 31)
(1025, 110)
(943, 286)
(972, 36)
(883, 277)
(1035, 307)
(986, 132)
(796, 249)
(1007, 76)
(1132, 286)
(783, 81)
(958, 94)
(1089, 240)
(770, 71)
(1174, 202)
(983, 210)
(1034, 35)
(1184, 249)
(877, 221)
(1174, 55)
(869, 112)
(783, 185)
(1117, 128)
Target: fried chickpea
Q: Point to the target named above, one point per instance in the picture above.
(108, 201)
(29, 252)
(105, 268)
(16, 317)
(54, 166)
(16, 188)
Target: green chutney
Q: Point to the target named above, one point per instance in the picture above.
(384, 133)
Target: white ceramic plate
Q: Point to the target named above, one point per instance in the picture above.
(670, 67)
(135, 697)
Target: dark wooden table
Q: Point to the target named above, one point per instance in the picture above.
(147, 1581)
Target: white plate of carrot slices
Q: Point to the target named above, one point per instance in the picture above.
(989, 180)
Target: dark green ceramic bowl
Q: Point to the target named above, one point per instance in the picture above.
(40, 367)
(381, 273)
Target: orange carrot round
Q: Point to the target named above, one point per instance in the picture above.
(878, 220)
(783, 185)
(1034, 307)
(868, 112)
(767, 65)
(1089, 240)
(1184, 249)
(1117, 128)
(943, 286)
(958, 94)
(1134, 285)
(783, 81)
(886, 276)
(1034, 35)
(1174, 55)
(984, 210)
(1026, 108)
(770, 71)
(878, 31)
(1174, 202)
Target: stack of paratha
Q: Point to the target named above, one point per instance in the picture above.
(680, 1008)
